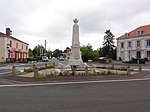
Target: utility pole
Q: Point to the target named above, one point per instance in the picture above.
(45, 47)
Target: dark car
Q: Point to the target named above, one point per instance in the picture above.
(103, 60)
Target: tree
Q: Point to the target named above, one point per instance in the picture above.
(108, 39)
(57, 53)
(108, 45)
(38, 50)
(49, 53)
(88, 52)
(30, 52)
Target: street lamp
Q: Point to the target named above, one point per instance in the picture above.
(129, 54)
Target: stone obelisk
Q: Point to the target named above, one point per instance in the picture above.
(75, 55)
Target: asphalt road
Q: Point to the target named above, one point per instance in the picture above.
(94, 97)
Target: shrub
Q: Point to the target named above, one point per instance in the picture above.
(123, 69)
(109, 72)
(28, 70)
(94, 72)
(31, 59)
(20, 73)
(38, 58)
(66, 73)
(41, 75)
(50, 66)
(42, 68)
(103, 72)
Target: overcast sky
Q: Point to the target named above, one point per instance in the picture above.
(33, 21)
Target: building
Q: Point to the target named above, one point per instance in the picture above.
(135, 44)
(12, 49)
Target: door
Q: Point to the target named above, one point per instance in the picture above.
(138, 54)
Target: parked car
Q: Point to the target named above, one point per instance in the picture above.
(90, 60)
(135, 61)
(44, 58)
(103, 60)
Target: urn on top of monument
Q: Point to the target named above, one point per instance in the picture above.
(75, 20)
(75, 34)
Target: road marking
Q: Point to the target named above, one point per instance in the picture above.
(5, 73)
(68, 83)
(3, 81)
(142, 69)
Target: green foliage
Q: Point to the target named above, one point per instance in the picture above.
(28, 70)
(30, 53)
(109, 72)
(50, 66)
(42, 68)
(88, 53)
(57, 53)
(108, 39)
(123, 69)
(66, 73)
(103, 72)
(31, 59)
(36, 58)
(38, 50)
(49, 54)
(20, 73)
(41, 75)
(94, 72)
(108, 50)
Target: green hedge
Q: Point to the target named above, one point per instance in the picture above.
(35, 58)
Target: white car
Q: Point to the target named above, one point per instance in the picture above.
(44, 58)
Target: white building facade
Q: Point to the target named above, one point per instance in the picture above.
(135, 44)
(12, 49)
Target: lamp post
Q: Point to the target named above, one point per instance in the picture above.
(129, 54)
(45, 54)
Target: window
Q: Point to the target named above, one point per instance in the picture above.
(126, 34)
(10, 43)
(139, 32)
(129, 44)
(122, 45)
(138, 43)
(26, 48)
(16, 45)
(148, 53)
(138, 54)
(148, 42)
(22, 46)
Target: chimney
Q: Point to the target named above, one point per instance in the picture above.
(8, 32)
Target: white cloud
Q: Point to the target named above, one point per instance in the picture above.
(33, 21)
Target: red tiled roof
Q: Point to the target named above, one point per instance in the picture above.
(145, 31)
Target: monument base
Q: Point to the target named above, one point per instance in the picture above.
(75, 62)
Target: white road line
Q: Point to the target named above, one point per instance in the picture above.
(5, 73)
(6, 82)
(67, 83)
(142, 69)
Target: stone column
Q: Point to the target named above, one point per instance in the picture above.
(128, 70)
(86, 70)
(45, 65)
(36, 72)
(33, 66)
(140, 68)
(13, 70)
